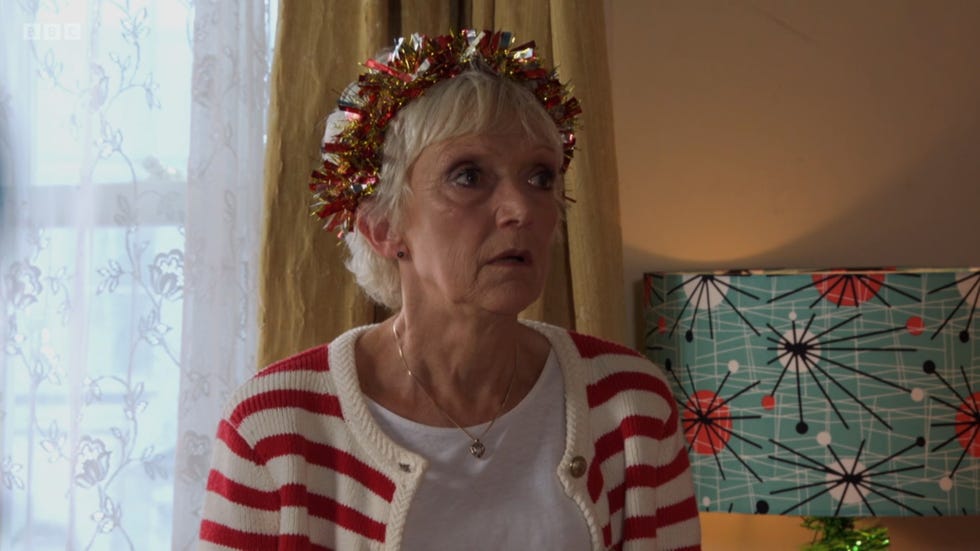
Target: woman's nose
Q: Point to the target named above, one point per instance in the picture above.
(515, 205)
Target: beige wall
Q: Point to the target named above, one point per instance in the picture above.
(819, 133)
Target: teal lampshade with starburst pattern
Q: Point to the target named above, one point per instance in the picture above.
(824, 393)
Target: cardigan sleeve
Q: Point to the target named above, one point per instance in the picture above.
(676, 518)
(241, 507)
(659, 509)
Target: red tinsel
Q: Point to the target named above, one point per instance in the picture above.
(352, 155)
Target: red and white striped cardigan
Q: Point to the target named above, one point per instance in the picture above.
(299, 462)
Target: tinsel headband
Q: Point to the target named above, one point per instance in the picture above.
(355, 131)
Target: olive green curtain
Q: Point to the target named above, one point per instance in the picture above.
(308, 297)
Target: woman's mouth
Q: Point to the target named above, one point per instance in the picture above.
(513, 257)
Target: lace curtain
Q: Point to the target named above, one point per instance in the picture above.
(131, 150)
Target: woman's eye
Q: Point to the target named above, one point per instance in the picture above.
(544, 179)
(466, 177)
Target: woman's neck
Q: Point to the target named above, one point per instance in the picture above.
(464, 364)
(464, 345)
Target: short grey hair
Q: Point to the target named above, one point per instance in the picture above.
(474, 102)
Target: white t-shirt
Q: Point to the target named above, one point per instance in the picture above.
(509, 499)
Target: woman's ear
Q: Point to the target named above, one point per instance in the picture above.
(377, 231)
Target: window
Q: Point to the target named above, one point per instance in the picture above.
(100, 105)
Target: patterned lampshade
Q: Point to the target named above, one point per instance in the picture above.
(831, 393)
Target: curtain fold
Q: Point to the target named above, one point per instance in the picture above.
(223, 211)
(595, 241)
(307, 295)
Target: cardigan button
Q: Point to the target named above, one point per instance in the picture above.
(577, 467)
(405, 467)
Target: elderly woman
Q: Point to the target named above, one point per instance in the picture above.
(453, 424)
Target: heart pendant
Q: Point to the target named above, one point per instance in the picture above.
(477, 449)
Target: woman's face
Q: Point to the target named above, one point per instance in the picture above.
(480, 221)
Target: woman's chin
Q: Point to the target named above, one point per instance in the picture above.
(511, 300)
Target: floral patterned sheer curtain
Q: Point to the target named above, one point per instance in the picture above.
(131, 153)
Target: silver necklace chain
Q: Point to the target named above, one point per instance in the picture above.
(477, 448)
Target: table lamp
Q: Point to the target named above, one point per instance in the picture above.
(824, 393)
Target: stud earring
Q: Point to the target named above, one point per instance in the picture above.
(400, 254)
